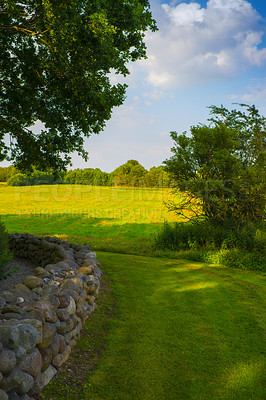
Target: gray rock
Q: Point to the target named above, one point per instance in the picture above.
(2, 302)
(32, 281)
(42, 272)
(37, 325)
(9, 296)
(64, 264)
(64, 299)
(48, 334)
(73, 294)
(68, 337)
(70, 285)
(97, 271)
(45, 377)
(55, 345)
(22, 288)
(27, 337)
(18, 381)
(61, 328)
(7, 361)
(69, 325)
(62, 344)
(12, 308)
(32, 364)
(71, 309)
(9, 336)
(63, 314)
(60, 359)
(78, 281)
(36, 314)
(3, 395)
(53, 268)
(20, 353)
(87, 270)
(90, 300)
(47, 356)
(8, 316)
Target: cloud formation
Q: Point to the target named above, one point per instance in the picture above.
(255, 93)
(199, 44)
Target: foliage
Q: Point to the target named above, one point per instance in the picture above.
(4, 251)
(157, 177)
(35, 178)
(234, 247)
(130, 174)
(88, 176)
(221, 167)
(6, 173)
(56, 61)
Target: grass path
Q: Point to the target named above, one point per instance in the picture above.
(180, 331)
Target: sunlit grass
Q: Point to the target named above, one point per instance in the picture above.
(113, 219)
(121, 205)
(181, 331)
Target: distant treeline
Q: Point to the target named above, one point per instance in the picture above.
(130, 174)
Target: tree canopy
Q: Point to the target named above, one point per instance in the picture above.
(221, 167)
(55, 66)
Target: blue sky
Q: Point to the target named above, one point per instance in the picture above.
(205, 53)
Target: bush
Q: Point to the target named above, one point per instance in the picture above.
(35, 178)
(243, 247)
(5, 254)
(18, 179)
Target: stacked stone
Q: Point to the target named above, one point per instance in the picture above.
(41, 318)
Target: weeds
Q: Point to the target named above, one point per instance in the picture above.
(239, 247)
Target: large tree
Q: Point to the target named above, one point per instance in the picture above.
(55, 65)
(220, 167)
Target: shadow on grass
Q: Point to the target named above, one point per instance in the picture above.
(106, 234)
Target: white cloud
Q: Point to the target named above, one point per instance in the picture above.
(184, 14)
(201, 44)
(155, 94)
(255, 93)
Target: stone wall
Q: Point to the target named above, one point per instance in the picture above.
(41, 317)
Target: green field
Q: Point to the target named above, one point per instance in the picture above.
(113, 219)
(166, 329)
(180, 331)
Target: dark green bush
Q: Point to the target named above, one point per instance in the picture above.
(18, 179)
(237, 247)
(35, 178)
(5, 254)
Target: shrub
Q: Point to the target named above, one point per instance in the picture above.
(237, 247)
(18, 179)
(5, 254)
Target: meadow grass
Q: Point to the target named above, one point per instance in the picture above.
(110, 219)
(180, 330)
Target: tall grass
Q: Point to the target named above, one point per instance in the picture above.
(239, 247)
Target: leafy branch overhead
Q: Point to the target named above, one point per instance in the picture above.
(56, 61)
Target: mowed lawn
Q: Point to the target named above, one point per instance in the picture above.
(113, 219)
(180, 331)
